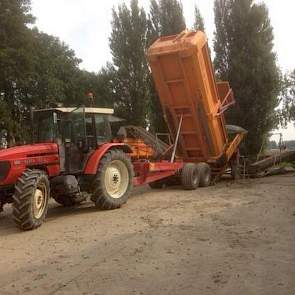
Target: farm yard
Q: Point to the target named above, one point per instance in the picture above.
(232, 238)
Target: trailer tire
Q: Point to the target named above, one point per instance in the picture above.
(113, 181)
(30, 200)
(205, 174)
(190, 176)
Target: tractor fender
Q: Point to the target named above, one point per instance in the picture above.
(94, 159)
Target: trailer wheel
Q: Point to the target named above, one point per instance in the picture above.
(205, 174)
(113, 181)
(190, 176)
(30, 201)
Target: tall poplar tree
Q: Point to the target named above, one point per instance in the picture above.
(245, 57)
(165, 18)
(199, 21)
(288, 98)
(128, 42)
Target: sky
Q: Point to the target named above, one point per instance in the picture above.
(85, 25)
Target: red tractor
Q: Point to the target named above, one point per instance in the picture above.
(76, 155)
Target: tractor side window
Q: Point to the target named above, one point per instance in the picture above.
(90, 131)
(102, 131)
(78, 125)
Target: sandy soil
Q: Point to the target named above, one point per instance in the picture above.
(233, 238)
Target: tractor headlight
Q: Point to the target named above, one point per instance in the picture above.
(4, 169)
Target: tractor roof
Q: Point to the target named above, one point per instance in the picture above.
(87, 110)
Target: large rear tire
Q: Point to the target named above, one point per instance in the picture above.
(205, 174)
(30, 201)
(113, 181)
(190, 176)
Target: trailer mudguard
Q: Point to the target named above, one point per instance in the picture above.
(94, 159)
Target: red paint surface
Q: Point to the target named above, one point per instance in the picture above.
(93, 161)
(146, 172)
(27, 156)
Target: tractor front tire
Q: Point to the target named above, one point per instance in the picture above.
(205, 174)
(30, 200)
(190, 176)
(113, 181)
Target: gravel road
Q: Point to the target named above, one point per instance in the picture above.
(232, 238)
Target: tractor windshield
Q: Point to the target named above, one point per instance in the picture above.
(93, 127)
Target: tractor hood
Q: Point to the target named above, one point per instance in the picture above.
(30, 150)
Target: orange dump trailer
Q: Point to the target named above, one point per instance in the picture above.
(191, 97)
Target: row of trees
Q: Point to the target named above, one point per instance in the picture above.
(244, 56)
(37, 70)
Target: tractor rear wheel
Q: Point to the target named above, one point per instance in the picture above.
(113, 181)
(205, 174)
(30, 201)
(190, 176)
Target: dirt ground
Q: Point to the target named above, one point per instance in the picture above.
(232, 238)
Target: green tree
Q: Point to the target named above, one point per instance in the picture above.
(245, 57)
(99, 84)
(128, 42)
(15, 60)
(54, 73)
(165, 18)
(36, 70)
(199, 21)
(288, 98)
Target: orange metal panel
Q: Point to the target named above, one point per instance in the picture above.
(184, 78)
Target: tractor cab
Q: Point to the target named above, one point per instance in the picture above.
(77, 131)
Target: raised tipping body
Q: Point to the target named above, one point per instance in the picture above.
(186, 85)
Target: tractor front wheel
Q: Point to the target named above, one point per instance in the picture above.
(113, 181)
(30, 200)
